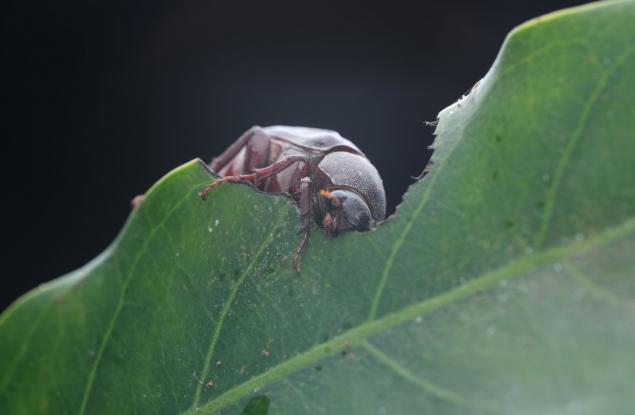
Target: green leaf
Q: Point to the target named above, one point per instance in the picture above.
(504, 284)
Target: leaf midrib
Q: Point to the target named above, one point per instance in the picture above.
(356, 336)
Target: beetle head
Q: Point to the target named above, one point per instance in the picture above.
(345, 211)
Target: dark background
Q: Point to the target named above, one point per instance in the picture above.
(103, 98)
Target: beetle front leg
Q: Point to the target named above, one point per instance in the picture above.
(255, 177)
(305, 220)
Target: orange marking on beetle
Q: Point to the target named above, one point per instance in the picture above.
(325, 193)
(328, 195)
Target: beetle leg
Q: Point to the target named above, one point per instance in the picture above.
(219, 162)
(276, 167)
(255, 177)
(305, 220)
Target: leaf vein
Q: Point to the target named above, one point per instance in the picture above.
(594, 289)
(122, 294)
(390, 261)
(355, 336)
(225, 311)
(24, 347)
(429, 387)
(572, 144)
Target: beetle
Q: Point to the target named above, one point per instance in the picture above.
(328, 177)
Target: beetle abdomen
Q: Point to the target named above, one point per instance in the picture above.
(356, 172)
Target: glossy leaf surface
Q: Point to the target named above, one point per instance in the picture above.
(505, 283)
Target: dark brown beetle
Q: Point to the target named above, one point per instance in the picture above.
(329, 178)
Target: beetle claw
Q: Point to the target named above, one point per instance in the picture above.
(205, 191)
(299, 249)
(296, 263)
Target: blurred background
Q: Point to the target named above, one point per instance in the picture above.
(104, 98)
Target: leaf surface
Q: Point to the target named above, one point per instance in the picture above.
(504, 284)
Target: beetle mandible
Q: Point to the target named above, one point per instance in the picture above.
(328, 177)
